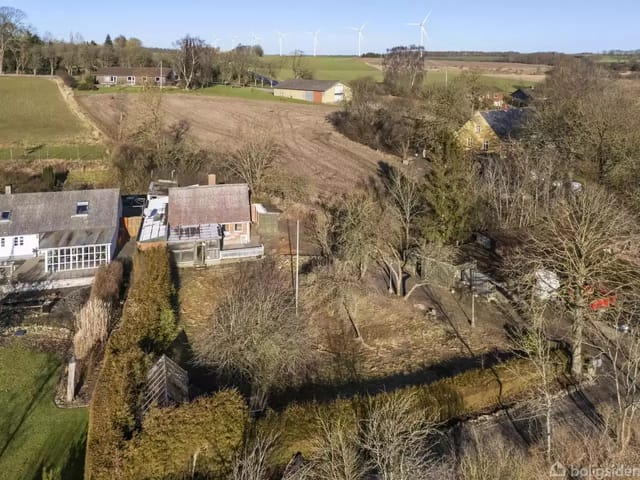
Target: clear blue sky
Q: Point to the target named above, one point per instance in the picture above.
(538, 25)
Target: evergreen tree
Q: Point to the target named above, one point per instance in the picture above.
(108, 42)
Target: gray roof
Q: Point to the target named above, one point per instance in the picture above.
(201, 205)
(307, 85)
(505, 123)
(53, 215)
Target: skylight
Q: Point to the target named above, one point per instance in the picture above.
(5, 215)
(82, 208)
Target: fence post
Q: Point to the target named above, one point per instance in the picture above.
(71, 379)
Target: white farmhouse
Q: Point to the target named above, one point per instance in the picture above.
(75, 230)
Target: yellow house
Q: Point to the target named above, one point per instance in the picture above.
(487, 130)
(316, 91)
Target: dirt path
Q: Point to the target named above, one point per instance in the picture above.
(311, 148)
(97, 135)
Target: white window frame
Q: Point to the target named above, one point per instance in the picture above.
(2, 242)
(113, 79)
(485, 145)
(84, 206)
(131, 79)
(236, 229)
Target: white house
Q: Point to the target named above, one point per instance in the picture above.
(75, 230)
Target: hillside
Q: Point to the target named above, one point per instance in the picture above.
(312, 149)
(34, 112)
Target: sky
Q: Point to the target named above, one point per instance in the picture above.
(569, 26)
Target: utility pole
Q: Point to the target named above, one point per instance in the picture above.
(297, 260)
(161, 78)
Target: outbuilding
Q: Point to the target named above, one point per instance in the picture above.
(316, 91)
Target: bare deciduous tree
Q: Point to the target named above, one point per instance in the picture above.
(11, 24)
(253, 159)
(252, 462)
(254, 332)
(189, 58)
(579, 241)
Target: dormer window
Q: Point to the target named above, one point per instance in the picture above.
(5, 215)
(82, 208)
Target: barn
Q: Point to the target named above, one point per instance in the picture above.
(316, 91)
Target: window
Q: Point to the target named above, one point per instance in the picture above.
(76, 258)
(469, 142)
(2, 242)
(131, 80)
(18, 241)
(113, 79)
(82, 208)
(5, 215)
(237, 227)
(477, 128)
(157, 79)
(485, 145)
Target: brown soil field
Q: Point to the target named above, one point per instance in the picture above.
(311, 148)
(506, 68)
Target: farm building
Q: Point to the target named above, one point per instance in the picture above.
(202, 225)
(522, 97)
(75, 230)
(487, 130)
(142, 76)
(316, 91)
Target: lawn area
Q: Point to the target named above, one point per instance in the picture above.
(35, 113)
(34, 433)
(499, 83)
(327, 68)
(56, 152)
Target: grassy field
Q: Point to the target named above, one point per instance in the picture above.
(34, 113)
(34, 433)
(54, 152)
(327, 68)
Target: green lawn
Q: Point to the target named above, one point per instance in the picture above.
(34, 433)
(327, 68)
(56, 152)
(33, 112)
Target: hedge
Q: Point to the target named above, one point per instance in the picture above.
(453, 398)
(147, 328)
(204, 434)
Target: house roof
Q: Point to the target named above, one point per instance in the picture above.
(308, 85)
(50, 212)
(505, 123)
(209, 204)
(523, 94)
(135, 71)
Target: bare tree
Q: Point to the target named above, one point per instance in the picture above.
(189, 58)
(300, 66)
(11, 24)
(403, 69)
(253, 159)
(395, 437)
(576, 241)
(254, 332)
(252, 462)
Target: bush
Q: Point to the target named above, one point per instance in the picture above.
(201, 437)
(107, 283)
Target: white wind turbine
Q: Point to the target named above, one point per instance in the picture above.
(315, 41)
(281, 36)
(255, 38)
(360, 37)
(423, 31)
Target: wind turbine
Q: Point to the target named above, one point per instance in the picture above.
(360, 37)
(234, 42)
(281, 36)
(216, 43)
(255, 38)
(423, 31)
(315, 41)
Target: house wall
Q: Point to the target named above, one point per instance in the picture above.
(332, 95)
(296, 94)
(470, 139)
(231, 237)
(13, 252)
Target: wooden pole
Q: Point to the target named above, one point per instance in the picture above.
(297, 260)
(71, 380)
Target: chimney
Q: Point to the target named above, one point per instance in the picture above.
(7, 190)
(211, 179)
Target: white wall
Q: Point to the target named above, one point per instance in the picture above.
(10, 251)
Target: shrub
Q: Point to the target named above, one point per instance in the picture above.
(107, 282)
(92, 325)
(198, 438)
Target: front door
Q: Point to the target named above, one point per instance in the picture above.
(317, 97)
(201, 255)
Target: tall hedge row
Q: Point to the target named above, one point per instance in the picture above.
(146, 328)
(469, 393)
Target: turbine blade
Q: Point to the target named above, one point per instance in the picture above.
(426, 18)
